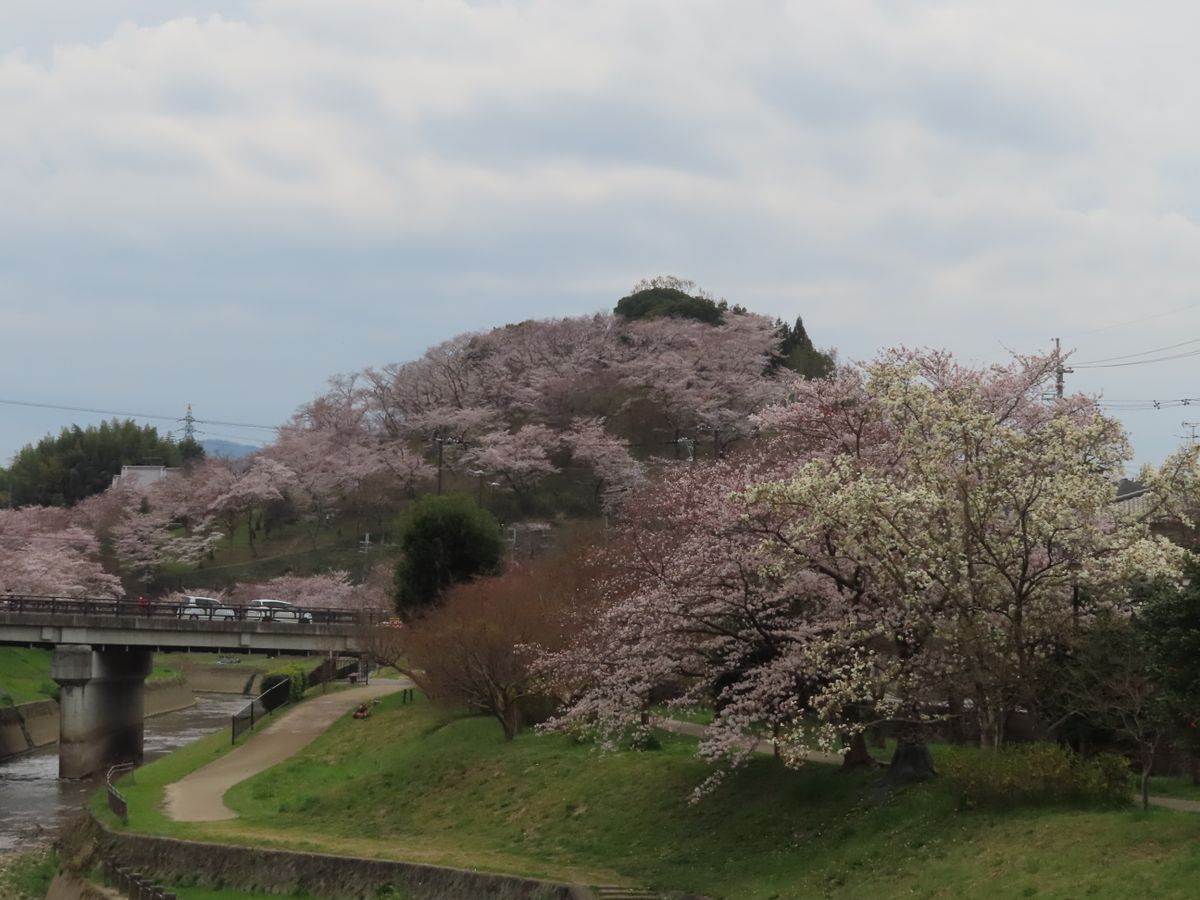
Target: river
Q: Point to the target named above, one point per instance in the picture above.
(31, 796)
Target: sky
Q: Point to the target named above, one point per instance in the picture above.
(226, 203)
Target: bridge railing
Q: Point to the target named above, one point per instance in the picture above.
(136, 607)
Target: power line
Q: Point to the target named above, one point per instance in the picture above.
(133, 415)
(1138, 362)
(1147, 318)
(1108, 359)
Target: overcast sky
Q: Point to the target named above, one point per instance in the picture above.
(225, 203)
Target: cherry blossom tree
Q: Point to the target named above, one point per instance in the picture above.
(521, 458)
(42, 553)
(914, 527)
(616, 471)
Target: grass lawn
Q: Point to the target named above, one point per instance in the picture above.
(180, 661)
(1169, 786)
(413, 783)
(25, 674)
(26, 875)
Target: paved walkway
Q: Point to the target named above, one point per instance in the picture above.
(764, 746)
(199, 797)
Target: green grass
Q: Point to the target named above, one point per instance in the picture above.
(413, 783)
(27, 875)
(1167, 786)
(199, 893)
(25, 674)
(260, 661)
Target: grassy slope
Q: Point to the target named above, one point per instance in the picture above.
(26, 874)
(25, 673)
(449, 791)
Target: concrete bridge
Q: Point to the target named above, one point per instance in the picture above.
(103, 651)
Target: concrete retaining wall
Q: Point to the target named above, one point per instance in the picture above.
(28, 726)
(208, 679)
(85, 842)
(168, 696)
(68, 887)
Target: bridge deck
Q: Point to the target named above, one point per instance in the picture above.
(49, 621)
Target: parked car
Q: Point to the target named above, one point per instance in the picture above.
(205, 608)
(277, 611)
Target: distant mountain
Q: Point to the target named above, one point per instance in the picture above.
(228, 449)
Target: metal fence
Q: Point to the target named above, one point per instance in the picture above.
(140, 607)
(134, 885)
(259, 708)
(116, 800)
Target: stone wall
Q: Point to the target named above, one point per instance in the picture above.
(86, 842)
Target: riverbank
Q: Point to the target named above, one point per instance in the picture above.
(26, 874)
(30, 726)
(413, 783)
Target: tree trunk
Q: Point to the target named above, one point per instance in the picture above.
(857, 756)
(911, 763)
(510, 720)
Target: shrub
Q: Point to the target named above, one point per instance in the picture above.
(51, 689)
(1023, 774)
(445, 540)
(293, 675)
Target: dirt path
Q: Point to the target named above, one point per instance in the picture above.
(199, 797)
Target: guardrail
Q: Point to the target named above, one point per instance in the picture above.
(116, 800)
(141, 608)
(134, 885)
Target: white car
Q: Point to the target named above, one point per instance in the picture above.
(205, 608)
(277, 611)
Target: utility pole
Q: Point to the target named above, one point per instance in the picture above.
(1059, 370)
(1192, 426)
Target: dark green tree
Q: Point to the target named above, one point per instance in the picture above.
(1169, 623)
(657, 302)
(79, 462)
(444, 541)
(796, 352)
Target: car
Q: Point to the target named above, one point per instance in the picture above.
(277, 611)
(205, 608)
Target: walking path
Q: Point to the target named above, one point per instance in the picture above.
(764, 746)
(199, 797)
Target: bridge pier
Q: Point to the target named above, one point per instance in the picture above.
(100, 706)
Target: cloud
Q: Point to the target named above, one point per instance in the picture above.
(302, 187)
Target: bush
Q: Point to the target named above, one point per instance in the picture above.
(294, 676)
(1024, 774)
(445, 540)
(51, 689)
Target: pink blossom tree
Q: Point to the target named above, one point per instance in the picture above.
(42, 553)
(916, 528)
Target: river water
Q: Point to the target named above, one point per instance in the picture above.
(32, 797)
